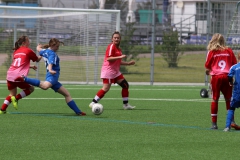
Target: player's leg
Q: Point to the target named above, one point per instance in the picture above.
(121, 81)
(227, 92)
(100, 94)
(41, 84)
(12, 91)
(230, 114)
(215, 83)
(26, 90)
(70, 102)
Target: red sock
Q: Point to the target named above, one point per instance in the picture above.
(125, 92)
(24, 93)
(214, 111)
(7, 101)
(101, 93)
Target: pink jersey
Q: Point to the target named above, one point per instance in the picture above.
(111, 69)
(220, 61)
(21, 63)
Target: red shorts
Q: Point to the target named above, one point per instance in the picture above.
(109, 81)
(219, 83)
(22, 85)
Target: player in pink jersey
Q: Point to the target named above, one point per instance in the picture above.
(110, 72)
(20, 66)
(219, 60)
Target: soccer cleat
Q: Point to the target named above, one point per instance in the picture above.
(3, 112)
(20, 79)
(82, 114)
(235, 126)
(227, 129)
(214, 127)
(91, 104)
(128, 106)
(14, 102)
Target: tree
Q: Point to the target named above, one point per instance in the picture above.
(126, 44)
(170, 48)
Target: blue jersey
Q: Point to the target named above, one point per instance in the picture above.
(50, 57)
(235, 73)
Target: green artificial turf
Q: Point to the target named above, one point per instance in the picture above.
(169, 122)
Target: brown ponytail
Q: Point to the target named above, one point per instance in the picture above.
(52, 42)
(19, 42)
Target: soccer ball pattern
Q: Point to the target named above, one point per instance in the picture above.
(97, 109)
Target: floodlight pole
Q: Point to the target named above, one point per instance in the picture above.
(153, 42)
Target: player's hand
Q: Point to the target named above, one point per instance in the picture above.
(52, 72)
(34, 67)
(123, 56)
(207, 71)
(131, 63)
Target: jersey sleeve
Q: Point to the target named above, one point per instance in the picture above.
(231, 72)
(52, 58)
(208, 60)
(111, 50)
(41, 52)
(32, 55)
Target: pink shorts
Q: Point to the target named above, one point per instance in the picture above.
(109, 81)
(23, 85)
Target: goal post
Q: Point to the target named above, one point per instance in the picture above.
(85, 33)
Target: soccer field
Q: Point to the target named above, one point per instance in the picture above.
(169, 122)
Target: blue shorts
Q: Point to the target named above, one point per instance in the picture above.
(53, 79)
(235, 103)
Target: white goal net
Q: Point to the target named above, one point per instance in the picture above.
(85, 33)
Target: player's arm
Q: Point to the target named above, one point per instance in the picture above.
(207, 71)
(39, 58)
(128, 63)
(208, 63)
(50, 69)
(115, 58)
(39, 47)
(33, 67)
(230, 80)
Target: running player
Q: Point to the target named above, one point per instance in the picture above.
(110, 72)
(20, 66)
(218, 62)
(235, 102)
(53, 71)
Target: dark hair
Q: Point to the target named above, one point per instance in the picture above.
(116, 32)
(19, 42)
(52, 42)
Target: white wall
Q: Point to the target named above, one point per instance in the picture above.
(180, 14)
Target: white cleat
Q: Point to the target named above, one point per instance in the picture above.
(128, 106)
(91, 104)
(227, 129)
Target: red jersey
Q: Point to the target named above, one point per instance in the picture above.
(220, 61)
(111, 69)
(21, 63)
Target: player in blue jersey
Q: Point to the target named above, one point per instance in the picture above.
(234, 73)
(48, 52)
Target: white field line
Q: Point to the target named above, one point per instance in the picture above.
(134, 99)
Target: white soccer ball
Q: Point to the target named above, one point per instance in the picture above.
(97, 109)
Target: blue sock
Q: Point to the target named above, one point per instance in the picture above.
(32, 81)
(74, 107)
(229, 118)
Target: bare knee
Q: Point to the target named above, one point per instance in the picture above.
(45, 85)
(31, 89)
